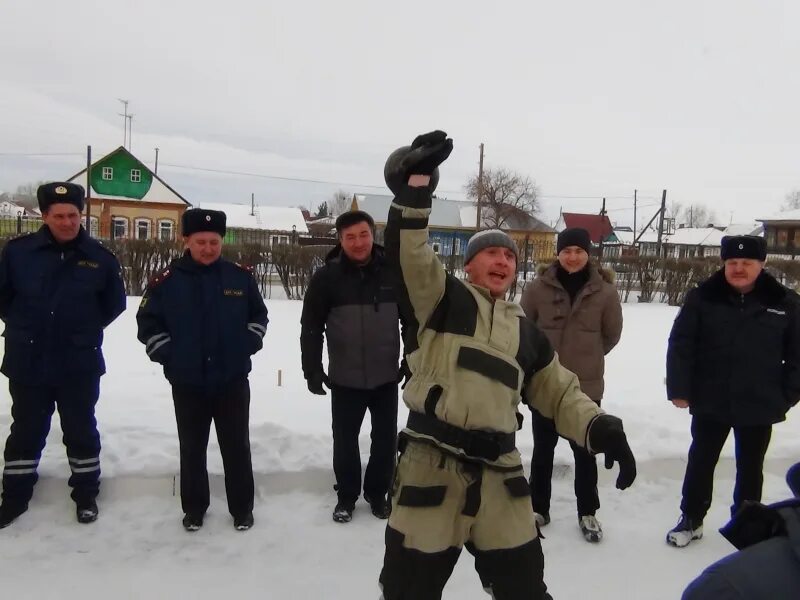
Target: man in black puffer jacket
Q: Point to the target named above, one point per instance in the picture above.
(734, 361)
(352, 300)
(202, 319)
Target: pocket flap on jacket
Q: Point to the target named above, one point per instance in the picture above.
(518, 487)
(412, 495)
(488, 365)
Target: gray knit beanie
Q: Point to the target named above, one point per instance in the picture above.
(488, 239)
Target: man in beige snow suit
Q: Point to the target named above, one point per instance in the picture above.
(459, 479)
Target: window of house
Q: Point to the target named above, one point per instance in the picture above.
(770, 237)
(457, 247)
(278, 239)
(783, 238)
(108, 173)
(94, 227)
(436, 247)
(796, 238)
(136, 175)
(119, 228)
(165, 231)
(142, 229)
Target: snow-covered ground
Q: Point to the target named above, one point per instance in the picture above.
(138, 548)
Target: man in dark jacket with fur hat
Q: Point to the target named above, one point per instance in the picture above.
(59, 289)
(202, 319)
(352, 300)
(734, 361)
(577, 306)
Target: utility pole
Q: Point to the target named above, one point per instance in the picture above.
(602, 222)
(130, 131)
(156, 171)
(634, 212)
(252, 205)
(661, 221)
(480, 191)
(89, 191)
(124, 123)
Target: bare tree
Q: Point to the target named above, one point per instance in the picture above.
(25, 195)
(672, 216)
(791, 200)
(698, 215)
(339, 203)
(504, 194)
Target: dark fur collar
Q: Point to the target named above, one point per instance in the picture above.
(768, 290)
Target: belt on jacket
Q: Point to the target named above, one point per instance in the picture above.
(480, 444)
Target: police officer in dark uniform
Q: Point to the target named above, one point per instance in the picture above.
(202, 319)
(59, 289)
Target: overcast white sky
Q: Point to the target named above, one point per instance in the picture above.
(588, 98)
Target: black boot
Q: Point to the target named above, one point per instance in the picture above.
(9, 513)
(243, 522)
(381, 507)
(86, 511)
(192, 522)
(343, 513)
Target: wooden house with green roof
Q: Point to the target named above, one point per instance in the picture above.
(129, 201)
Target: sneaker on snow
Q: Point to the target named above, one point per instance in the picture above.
(192, 522)
(542, 519)
(381, 508)
(685, 532)
(86, 511)
(243, 522)
(9, 513)
(343, 513)
(590, 528)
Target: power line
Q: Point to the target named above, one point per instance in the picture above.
(631, 208)
(40, 154)
(326, 182)
(279, 177)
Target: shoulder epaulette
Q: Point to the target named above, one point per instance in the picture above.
(159, 278)
(106, 248)
(19, 237)
(248, 268)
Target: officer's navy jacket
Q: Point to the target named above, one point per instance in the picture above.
(55, 300)
(202, 323)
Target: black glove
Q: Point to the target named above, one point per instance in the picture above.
(315, 381)
(753, 523)
(606, 436)
(428, 151)
(422, 157)
(404, 374)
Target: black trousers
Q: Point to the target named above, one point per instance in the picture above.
(545, 439)
(228, 405)
(348, 407)
(509, 574)
(32, 408)
(708, 437)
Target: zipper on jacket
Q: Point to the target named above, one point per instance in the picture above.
(363, 333)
